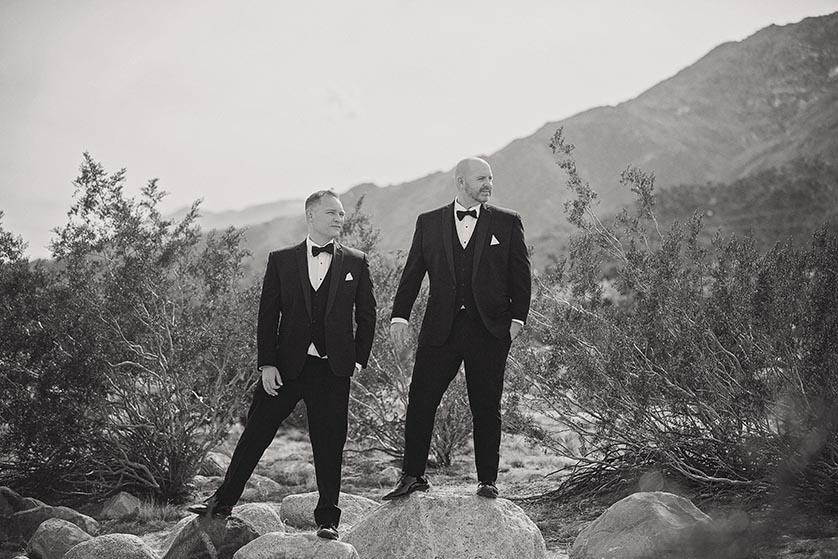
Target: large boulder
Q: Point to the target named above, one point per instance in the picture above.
(262, 517)
(261, 488)
(53, 538)
(110, 546)
(653, 525)
(442, 523)
(215, 464)
(208, 538)
(298, 546)
(25, 522)
(121, 505)
(298, 510)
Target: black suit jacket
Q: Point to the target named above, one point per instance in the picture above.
(501, 276)
(284, 328)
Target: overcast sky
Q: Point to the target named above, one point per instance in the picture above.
(241, 103)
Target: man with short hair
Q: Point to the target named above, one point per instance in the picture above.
(480, 281)
(307, 351)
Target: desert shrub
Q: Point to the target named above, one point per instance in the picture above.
(708, 363)
(379, 393)
(51, 382)
(163, 321)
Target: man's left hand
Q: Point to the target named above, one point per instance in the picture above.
(515, 329)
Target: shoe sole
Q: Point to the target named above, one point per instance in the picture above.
(488, 494)
(327, 535)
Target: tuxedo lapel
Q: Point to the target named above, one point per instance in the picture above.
(447, 241)
(337, 275)
(479, 236)
(305, 282)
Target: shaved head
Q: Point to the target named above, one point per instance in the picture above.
(465, 166)
(474, 181)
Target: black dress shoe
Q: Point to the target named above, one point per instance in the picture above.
(211, 507)
(327, 532)
(407, 485)
(487, 489)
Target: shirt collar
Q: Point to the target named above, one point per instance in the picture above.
(310, 243)
(462, 208)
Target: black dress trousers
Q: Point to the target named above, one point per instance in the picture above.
(327, 403)
(484, 356)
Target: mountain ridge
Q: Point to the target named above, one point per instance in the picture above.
(743, 107)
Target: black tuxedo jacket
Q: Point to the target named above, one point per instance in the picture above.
(284, 328)
(501, 275)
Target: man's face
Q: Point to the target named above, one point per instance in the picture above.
(325, 219)
(475, 185)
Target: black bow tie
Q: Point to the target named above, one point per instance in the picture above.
(315, 250)
(461, 214)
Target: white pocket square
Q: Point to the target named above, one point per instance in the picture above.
(348, 276)
(495, 241)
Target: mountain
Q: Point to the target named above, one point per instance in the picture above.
(743, 108)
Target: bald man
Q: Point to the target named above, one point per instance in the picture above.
(480, 279)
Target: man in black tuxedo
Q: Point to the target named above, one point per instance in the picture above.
(480, 281)
(307, 350)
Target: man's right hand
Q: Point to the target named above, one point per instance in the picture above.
(271, 381)
(398, 335)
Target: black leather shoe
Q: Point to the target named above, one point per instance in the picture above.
(327, 532)
(487, 489)
(211, 508)
(407, 485)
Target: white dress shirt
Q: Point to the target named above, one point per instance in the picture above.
(465, 226)
(318, 267)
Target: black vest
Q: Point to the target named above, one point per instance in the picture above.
(319, 299)
(463, 266)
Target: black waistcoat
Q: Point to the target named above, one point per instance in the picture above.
(319, 299)
(463, 266)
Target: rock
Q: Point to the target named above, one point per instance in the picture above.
(11, 502)
(215, 464)
(654, 525)
(202, 538)
(53, 538)
(157, 540)
(826, 548)
(294, 473)
(442, 523)
(121, 505)
(201, 483)
(389, 476)
(25, 522)
(298, 510)
(262, 517)
(298, 546)
(261, 488)
(111, 546)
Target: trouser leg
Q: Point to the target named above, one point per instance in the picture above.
(327, 404)
(485, 361)
(433, 371)
(264, 417)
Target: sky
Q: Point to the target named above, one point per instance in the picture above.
(242, 103)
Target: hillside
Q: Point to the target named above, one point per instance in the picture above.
(743, 108)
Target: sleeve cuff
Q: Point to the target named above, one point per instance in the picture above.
(398, 320)
(521, 322)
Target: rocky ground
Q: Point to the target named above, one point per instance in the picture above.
(764, 530)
